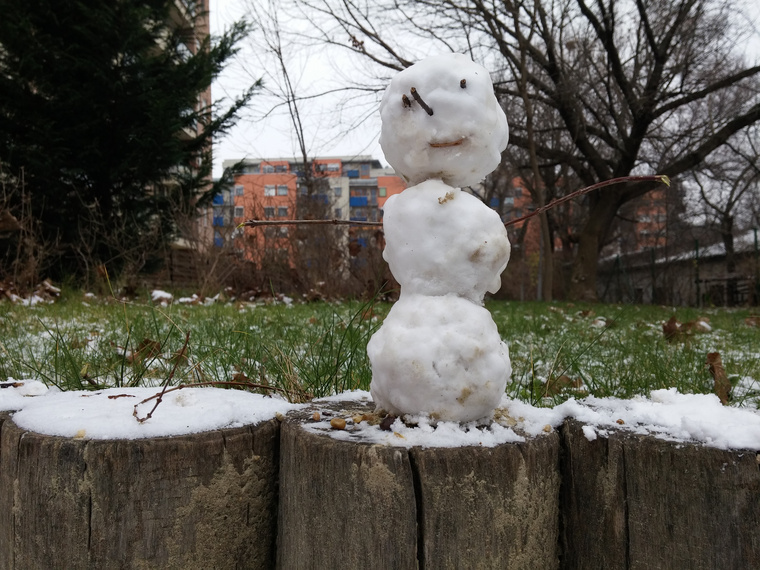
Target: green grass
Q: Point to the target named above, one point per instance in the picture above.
(316, 349)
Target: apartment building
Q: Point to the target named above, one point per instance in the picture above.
(351, 188)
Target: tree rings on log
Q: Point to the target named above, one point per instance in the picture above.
(357, 504)
(205, 500)
(636, 501)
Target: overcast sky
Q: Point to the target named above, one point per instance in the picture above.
(273, 136)
(257, 137)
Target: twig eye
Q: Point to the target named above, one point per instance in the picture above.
(422, 103)
(405, 101)
(463, 84)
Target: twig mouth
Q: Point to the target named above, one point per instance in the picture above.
(447, 143)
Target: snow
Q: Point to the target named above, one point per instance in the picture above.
(440, 240)
(108, 414)
(666, 414)
(439, 352)
(161, 297)
(421, 146)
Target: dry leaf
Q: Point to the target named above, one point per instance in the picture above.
(555, 385)
(722, 384)
(146, 350)
(671, 329)
(752, 321)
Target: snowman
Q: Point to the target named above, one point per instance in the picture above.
(438, 351)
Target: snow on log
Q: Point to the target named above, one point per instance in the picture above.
(206, 500)
(637, 501)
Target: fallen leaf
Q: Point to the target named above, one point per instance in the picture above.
(556, 385)
(720, 378)
(671, 329)
(146, 350)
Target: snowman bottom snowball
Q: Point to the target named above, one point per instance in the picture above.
(441, 356)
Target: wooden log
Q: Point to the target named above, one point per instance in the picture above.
(363, 505)
(640, 502)
(205, 500)
(490, 507)
(343, 504)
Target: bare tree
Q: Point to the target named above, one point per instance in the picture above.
(647, 86)
(318, 252)
(728, 184)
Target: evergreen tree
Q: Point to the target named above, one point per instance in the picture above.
(105, 117)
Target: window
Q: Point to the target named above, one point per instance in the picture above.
(282, 190)
(239, 190)
(339, 213)
(338, 191)
(269, 190)
(281, 168)
(251, 169)
(239, 211)
(382, 192)
(269, 212)
(282, 212)
(333, 167)
(267, 169)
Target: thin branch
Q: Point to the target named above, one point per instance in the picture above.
(586, 190)
(656, 178)
(257, 223)
(160, 395)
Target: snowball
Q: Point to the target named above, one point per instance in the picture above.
(440, 240)
(438, 355)
(461, 142)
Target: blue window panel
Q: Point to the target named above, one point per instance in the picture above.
(494, 202)
(357, 201)
(352, 173)
(218, 221)
(218, 200)
(362, 242)
(359, 219)
(219, 242)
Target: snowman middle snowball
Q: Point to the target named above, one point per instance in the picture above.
(439, 351)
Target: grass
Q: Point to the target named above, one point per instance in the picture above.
(301, 351)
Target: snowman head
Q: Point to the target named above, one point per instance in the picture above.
(441, 120)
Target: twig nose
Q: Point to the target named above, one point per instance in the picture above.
(422, 103)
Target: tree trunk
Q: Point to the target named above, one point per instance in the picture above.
(547, 258)
(201, 501)
(638, 502)
(590, 240)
